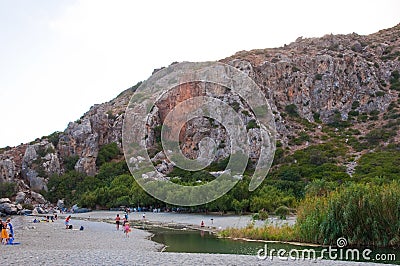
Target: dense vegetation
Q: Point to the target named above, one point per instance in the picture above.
(366, 214)
(313, 170)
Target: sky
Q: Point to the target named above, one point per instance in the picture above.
(58, 58)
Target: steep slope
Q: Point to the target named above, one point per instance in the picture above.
(336, 88)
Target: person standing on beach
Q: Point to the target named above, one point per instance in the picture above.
(127, 229)
(4, 233)
(117, 221)
(67, 220)
(10, 228)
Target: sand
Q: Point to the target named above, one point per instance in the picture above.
(193, 220)
(101, 244)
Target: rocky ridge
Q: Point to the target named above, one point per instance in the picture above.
(309, 83)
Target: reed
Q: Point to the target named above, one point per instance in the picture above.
(365, 214)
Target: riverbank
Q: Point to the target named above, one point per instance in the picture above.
(101, 244)
(212, 222)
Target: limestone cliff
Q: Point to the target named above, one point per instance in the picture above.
(309, 83)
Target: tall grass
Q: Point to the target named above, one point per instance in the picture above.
(365, 214)
(268, 232)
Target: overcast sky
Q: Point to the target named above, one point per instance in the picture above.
(58, 58)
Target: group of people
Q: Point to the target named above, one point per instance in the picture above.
(125, 224)
(47, 219)
(7, 232)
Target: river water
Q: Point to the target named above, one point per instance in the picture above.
(193, 241)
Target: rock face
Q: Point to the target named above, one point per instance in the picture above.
(101, 125)
(195, 130)
(325, 76)
(39, 162)
(323, 79)
(20, 198)
(31, 165)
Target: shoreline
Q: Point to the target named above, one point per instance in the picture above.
(177, 225)
(49, 243)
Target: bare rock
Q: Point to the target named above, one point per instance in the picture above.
(7, 170)
(20, 198)
(8, 208)
(5, 200)
(38, 197)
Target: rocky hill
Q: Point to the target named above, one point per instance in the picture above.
(338, 87)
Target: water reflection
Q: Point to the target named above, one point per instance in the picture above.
(189, 241)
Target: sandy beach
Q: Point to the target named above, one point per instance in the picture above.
(191, 220)
(101, 244)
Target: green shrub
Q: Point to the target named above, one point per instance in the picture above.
(70, 162)
(295, 69)
(374, 118)
(263, 215)
(131, 89)
(157, 133)
(363, 117)
(392, 106)
(336, 121)
(316, 117)
(374, 112)
(377, 135)
(395, 75)
(353, 131)
(291, 109)
(255, 216)
(318, 76)
(7, 189)
(355, 105)
(268, 198)
(245, 112)
(357, 145)
(111, 115)
(54, 138)
(41, 151)
(107, 153)
(394, 80)
(282, 212)
(236, 106)
(392, 124)
(391, 56)
(353, 113)
(64, 187)
(252, 124)
(320, 187)
(383, 164)
(109, 170)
